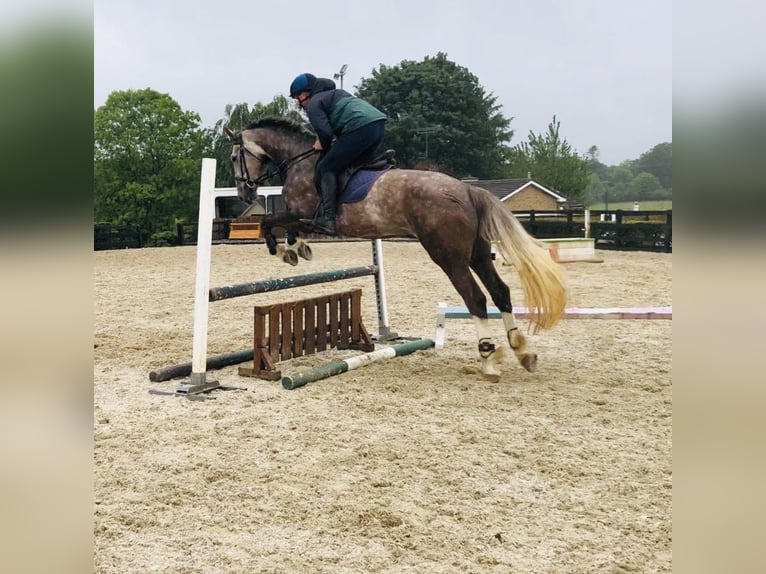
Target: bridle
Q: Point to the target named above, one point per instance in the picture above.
(280, 169)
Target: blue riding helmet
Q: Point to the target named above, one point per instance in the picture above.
(302, 83)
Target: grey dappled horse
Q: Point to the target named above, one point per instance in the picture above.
(454, 221)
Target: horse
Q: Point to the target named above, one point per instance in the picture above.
(454, 221)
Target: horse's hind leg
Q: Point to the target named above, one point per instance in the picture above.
(454, 262)
(481, 263)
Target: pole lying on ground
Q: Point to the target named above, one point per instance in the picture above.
(302, 378)
(213, 362)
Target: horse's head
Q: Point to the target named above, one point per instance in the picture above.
(288, 148)
(250, 162)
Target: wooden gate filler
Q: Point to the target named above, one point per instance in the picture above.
(292, 329)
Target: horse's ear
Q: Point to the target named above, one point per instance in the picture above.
(229, 133)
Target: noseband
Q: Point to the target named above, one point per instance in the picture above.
(280, 169)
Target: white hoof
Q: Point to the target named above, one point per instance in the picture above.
(490, 365)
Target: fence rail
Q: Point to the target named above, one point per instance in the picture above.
(650, 230)
(107, 236)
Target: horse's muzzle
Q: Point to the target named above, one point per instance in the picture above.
(246, 190)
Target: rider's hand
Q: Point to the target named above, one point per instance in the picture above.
(317, 145)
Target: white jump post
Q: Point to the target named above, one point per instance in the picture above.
(198, 382)
(384, 327)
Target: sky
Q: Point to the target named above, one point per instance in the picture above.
(604, 68)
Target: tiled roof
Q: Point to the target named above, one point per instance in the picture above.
(502, 188)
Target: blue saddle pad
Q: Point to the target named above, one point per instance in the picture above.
(359, 185)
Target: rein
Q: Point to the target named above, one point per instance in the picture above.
(280, 169)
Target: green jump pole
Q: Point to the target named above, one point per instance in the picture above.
(302, 378)
(268, 285)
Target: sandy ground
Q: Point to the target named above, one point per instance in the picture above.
(409, 465)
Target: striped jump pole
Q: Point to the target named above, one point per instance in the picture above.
(444, 312)
(302, 378)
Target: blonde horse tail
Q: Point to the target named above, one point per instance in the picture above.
(542, 278)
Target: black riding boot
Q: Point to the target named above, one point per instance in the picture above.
(325, 222)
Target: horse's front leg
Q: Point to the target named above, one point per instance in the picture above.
(302, 249)
(268, 224)
(271, 241)
(294, 246)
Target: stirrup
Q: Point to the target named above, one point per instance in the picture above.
(316, 226)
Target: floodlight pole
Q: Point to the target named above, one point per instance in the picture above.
(340, 74)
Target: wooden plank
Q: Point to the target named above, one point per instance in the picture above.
(242, 226)
(356, 314)
(244, 230)
(275, 341)
(298, 337)
(344, 327)
(286, 326)
(333, 313)
(244, 234)
(322, 303)
(263, 363)
(360, 338)
(310, 329)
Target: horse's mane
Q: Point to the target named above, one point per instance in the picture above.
(281, 125)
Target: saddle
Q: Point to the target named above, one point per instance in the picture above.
(383, 160)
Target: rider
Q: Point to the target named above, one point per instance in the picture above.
(347, 128)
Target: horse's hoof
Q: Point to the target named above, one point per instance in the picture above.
(305, 251)
(529, 362)
(290, 256)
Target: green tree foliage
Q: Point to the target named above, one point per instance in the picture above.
(618, 182)
(644, 186)
(549, 159)
(439, 114)
(147, 154)
(594, 191)
(237, 117)
(658, 161)
(594, 163)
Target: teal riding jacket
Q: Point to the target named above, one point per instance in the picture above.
(334, 112)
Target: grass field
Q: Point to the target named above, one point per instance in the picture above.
(628, 205)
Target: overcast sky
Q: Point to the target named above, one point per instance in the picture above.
(603, 67)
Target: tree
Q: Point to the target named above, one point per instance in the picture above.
(438, 112)
(550, 160)
(147, 154)
(594, 164)
(595, 191)
(644, 186)
(618, 182)
(659, 162)
(237, 117)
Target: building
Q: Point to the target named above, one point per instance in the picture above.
(525, 194)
